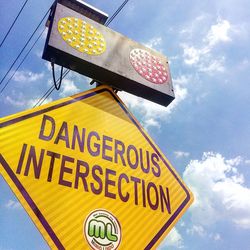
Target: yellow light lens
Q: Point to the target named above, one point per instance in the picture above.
(73, 31)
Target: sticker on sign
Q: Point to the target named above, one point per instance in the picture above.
(89, 175)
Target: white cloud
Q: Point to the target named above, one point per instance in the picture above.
(48, 66)
(181, 154)
(193, 55)
(216, 236)
(152, 114)
(174, 239)
(44, 35)
(212, 65)
(151, 123)
(57, 69)
(203, 56)
(180, 95)
(182, 80)
(32, 102)
(131, 9)
(14, 102)
(21, 102)
(27, 76)
(11, 204)
(202, 59)
(39, 53)
(219, 32)
(201, 97)
(220, 191)
(235, 161)
(244, 65)
(197, 230)
(247, 162)
(68, 88)
(190, 29)
(154, 43)
(182, 224)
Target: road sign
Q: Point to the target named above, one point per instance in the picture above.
(83, 45)
(89, 175)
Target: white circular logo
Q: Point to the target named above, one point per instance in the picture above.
(102, 230)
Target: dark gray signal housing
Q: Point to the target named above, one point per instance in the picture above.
(86, 46)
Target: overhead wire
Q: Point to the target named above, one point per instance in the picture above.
(40, 100)
(10, 68)
(23, 60)
(116, 13)
(13, 23)
(50, 90)
(45, 96)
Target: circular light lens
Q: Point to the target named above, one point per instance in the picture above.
(74, 34)
(148, 66)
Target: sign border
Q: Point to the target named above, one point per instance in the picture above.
(32, 204)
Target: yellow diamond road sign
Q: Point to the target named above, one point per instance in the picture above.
(89, 175)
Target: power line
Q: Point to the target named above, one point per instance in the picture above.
(22, 60)
(51, 89)
(24, 47)
(46, 95)
(13, 23)
(116, 12)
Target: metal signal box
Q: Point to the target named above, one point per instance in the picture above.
(86, 46)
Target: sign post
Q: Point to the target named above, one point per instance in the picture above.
(89, 175)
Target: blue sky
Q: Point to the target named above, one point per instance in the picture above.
(205, 132)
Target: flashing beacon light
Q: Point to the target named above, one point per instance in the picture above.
(148, 66)
(81, 36)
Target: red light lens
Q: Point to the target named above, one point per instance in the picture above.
(148, 66)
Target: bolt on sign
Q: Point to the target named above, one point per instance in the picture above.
(89, 175)
(90, 48)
